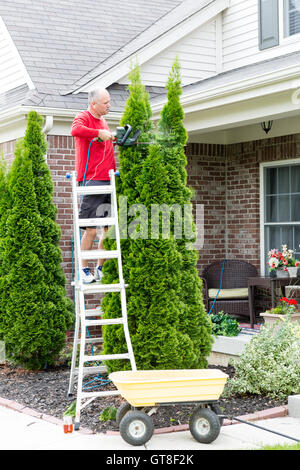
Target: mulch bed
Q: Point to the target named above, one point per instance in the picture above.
(46, 392)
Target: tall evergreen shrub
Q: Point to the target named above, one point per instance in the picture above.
(36, 145)
(194, 320)
(168, 325)
(137, 113)
(34, 309)
(4, 206)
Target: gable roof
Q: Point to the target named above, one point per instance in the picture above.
(163, 32)
(61, 42)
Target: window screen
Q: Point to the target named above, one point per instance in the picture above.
(291, 17)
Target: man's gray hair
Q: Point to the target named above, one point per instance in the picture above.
(94, 94)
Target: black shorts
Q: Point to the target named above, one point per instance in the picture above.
(98, 205)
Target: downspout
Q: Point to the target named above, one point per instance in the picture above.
(47, 128)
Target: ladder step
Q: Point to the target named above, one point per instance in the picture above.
(106, 357)
(91, 370)
(97, 222)
(91, 190)
(94, 340)
(98, 254)
(100, 394)
(93, 312)
(95, 287)
(108, 321)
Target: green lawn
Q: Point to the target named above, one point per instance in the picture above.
(283, 447)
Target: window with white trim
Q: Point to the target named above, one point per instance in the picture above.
(291, 17)
(281, 207)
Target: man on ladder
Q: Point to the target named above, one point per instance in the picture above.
(93, 163)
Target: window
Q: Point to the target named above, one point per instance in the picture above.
(291, 17)
(281, 208)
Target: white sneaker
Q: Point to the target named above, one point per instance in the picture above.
(87, 276)
(98, 274)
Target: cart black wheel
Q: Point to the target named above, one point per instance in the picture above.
(204, 425)
(136, 427)
(217, 410)
(121, 411)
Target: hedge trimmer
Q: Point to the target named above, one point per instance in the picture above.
(123, 139)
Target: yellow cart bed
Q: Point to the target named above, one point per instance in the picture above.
(146, 388)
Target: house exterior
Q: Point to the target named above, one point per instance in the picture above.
(240, 62)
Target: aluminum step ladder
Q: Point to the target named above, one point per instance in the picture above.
(83, 314)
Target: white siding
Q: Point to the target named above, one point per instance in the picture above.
(12, 70)
(196, 53)
(240, 36)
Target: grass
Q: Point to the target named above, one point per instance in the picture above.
(282, 447)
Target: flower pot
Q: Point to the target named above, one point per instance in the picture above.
(281, 273)
(271, 318)
(292, 271)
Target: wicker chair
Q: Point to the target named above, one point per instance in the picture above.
(235, 277)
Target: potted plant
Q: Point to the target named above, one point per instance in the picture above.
(282, 263)
(286, 309)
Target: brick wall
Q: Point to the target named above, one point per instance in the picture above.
(242, 204)
(225, 180)
(206, 175)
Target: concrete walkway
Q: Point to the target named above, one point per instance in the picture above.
(23, 430)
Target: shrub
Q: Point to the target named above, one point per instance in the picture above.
(34, 309)
(194, 321)
(168, 324)
(224, 325)
(270, 363)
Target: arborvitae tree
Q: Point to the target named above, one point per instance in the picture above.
(137, 114)
(36, 145)
(4, 206)
(28, 322)
(34, 309)
(194, 320)
(160, 316)
(155, 263)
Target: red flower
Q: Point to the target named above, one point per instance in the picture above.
(292, 302)
(284, 299)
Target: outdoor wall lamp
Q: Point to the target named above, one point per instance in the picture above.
(266, 126)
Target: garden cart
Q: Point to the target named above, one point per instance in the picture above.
(146, 388)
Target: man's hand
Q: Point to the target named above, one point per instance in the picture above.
(103, 134)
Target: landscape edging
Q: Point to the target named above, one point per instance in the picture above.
(276, 412)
